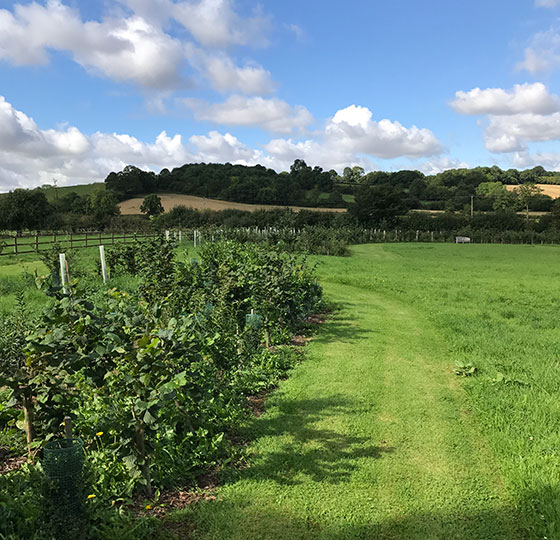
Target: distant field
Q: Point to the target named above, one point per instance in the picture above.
(552, 190)
(84, 189)
(169, 201)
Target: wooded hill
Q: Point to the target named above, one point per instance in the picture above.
(311, 186)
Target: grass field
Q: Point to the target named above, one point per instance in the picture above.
(53, 193)
(375, 436)
(170, 200)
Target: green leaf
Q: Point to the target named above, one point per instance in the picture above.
(149, 419)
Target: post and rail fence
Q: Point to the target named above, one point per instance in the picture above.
(33, 243)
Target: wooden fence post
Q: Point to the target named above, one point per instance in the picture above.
(15, 244)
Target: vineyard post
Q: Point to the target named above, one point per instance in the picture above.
(417, 236)
(194, 236)
(63, 272)
(15, 244)
(71, 240)
(103, 264)
(180, 236)
(86, 239)
(432, 235)
(36, 241)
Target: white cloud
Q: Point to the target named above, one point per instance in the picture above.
(547, 3)
(549, 160)
(215, 23)
(125, 50)
(226, 76)
(30, 156)
(351, 137)
(225, 148)
(543, 53)
(273, 115)
(512, 133)
(435, 166)
(524, 98)
(134, 47)
(527, 113)
(353, 130)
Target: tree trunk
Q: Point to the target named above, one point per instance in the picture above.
(141, 450)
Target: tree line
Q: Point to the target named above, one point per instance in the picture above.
(376, 199)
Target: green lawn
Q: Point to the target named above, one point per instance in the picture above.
(375, 436)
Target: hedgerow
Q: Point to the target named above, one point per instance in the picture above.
(155, 380)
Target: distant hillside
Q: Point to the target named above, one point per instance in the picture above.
(552, 190)
(53, 193)
(170, 200)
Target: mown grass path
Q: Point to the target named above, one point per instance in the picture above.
(369, 438)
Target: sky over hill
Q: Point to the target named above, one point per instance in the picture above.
(88, 87)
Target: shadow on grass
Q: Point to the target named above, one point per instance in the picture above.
(244, 518)
(298, 448)
(341, 327)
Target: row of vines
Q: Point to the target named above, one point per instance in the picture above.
(155, 376)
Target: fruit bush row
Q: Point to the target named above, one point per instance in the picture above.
(155, 379)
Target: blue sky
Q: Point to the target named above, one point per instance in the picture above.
(91, 86)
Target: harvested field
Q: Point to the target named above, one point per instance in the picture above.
(552, 190)
(170, 200)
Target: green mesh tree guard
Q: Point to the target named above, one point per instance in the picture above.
(63, 464)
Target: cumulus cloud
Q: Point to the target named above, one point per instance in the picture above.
(273, 115)
(549, 160)
(527, 113)
(215, 23)
(523, 98)
(352, 137)
(30, 156)
(435, 166)
(353, 129)
(125, 50)
(226, 76)
(224, 148)
(512, 133)
(134, 47)
(543, 52)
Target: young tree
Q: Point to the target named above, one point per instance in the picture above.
(377, 204)
(24, 209)
(103, 205)
(151, 205)
(526, 192)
